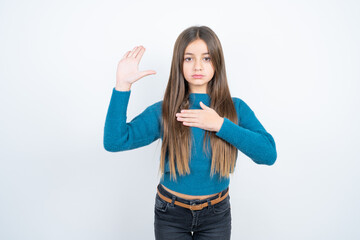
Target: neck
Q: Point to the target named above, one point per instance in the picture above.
(197, 89)
(198, 92)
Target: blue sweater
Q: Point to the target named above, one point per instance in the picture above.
(250, 137)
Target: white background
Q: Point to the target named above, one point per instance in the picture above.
(295, 63)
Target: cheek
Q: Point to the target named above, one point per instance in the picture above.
(186, 70)
(210, 70)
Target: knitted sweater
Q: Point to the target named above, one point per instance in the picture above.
(250, 137)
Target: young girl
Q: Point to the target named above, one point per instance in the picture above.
(201, 127)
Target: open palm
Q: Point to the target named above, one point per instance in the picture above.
(127, 69)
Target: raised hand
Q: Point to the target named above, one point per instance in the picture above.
(127, 70)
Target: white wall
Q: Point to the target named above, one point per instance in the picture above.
(296, 64)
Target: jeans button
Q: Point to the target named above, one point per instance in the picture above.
(192, 204)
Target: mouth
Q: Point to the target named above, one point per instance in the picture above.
(197, 76)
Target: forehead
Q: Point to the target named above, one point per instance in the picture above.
(197, 47)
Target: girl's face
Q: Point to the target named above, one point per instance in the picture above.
(197, 62)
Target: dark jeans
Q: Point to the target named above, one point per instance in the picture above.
(177, 223)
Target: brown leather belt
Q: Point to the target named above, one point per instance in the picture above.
(198, 206)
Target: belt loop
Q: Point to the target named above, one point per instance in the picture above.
(173, 200)
(209, 203)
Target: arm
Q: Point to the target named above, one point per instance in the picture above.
(250, 137)
(141, 131)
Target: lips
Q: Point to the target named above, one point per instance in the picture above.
(197, 76)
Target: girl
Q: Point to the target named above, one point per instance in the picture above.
(201, 127)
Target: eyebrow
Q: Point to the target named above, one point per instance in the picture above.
(193, 54)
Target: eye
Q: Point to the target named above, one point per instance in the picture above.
(208, 59)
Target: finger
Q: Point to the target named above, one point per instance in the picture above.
(126, 54)
(191, 124)
(188, 120)
(132, 52)
(186, 115)
(137, 50)
(191, 111)
(140, 53)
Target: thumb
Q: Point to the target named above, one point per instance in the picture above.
(145, 73)
(203, 106)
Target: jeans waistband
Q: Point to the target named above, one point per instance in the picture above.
(164, 192)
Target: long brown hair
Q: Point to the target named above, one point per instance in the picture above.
(176, 143)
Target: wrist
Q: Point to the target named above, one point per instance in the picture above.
(123, 87)
(221, 121)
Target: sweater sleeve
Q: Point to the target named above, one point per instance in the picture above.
(250, 137)
(142, 130)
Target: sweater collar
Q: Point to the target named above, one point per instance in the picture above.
(195, 98)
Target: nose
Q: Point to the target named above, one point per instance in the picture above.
(197, 65)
